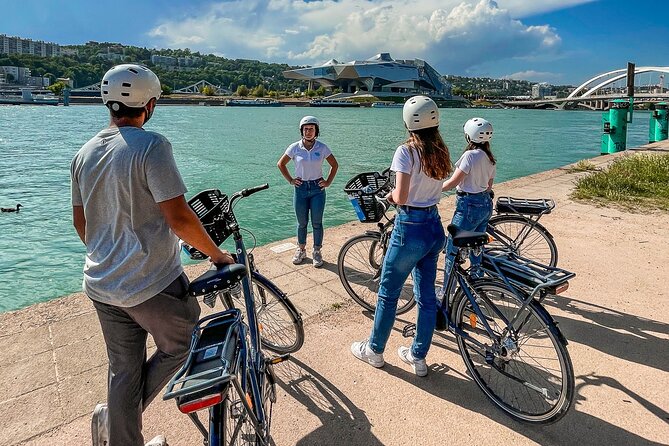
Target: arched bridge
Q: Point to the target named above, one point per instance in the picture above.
(593, 93)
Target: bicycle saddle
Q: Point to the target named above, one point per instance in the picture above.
(467, 239)
(217, 279)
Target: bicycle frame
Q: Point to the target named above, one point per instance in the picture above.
(251, 368)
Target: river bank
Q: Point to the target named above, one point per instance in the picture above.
(615, 316)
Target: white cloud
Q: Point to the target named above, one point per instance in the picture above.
(534, 76)
(454, 37)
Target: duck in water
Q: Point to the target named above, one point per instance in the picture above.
(11, 209)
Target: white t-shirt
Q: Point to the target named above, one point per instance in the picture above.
(476, 164)
(308, 163)
(423, 190)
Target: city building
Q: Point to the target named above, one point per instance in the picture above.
(540, 91)
(16, 75)
(163, 60)
(17, 45)
(380, 75)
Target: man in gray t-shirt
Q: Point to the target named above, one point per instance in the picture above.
(129, 210)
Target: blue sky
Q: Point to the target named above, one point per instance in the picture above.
(556, 41)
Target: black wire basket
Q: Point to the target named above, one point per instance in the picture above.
(362, 190)
(213, 209)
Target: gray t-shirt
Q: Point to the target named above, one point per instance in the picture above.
(118, 177)
(476, 164)
(423, 190)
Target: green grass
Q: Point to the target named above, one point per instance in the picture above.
(636, 182)
(583, 166)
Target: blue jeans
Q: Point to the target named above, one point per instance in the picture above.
(415, 245)
(472, 213)
(309, 197)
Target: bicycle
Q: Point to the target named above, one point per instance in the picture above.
(281, 326)
(361, 257)
(226, 370)
(510, 344)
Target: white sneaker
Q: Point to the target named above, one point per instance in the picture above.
(299, 256)
(100, 425)
(419, 365)
(158, 440)
(317, 258)
(363, 352)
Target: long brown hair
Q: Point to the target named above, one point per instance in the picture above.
(485, 146)
(435, 160)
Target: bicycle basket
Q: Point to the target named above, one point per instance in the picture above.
(213, 209)
(362, 190)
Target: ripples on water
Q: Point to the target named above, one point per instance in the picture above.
(232, 148)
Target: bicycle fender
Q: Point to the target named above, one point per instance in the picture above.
(374, 233)
(551, 323)
(270, 285)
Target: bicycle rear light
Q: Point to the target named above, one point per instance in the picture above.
(562, 288)
(201, 403)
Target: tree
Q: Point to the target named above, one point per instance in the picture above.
(259, 91)
(208, 90)
(57, 88)
(320, 91)
(310, 93)
(242, 90)
(166, 89)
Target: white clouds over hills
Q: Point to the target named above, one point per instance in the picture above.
(453, 35)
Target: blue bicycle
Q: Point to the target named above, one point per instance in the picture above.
(227, 371)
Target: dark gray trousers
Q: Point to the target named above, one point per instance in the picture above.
(134, 381)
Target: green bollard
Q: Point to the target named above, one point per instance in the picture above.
(66, 96)
(614, 138)
(659, 123)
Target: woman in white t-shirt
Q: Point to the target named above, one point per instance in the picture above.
(308, 155)
(420, 164)
(473, 178)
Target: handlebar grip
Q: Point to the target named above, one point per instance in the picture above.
(252, 190)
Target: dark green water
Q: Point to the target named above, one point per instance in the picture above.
(232, 148)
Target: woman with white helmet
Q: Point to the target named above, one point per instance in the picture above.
(421, 164)
(473, 178)
(308, 155)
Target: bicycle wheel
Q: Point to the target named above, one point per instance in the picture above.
(527, 373)
(358, 273)
(280, 324)
(238, 428)
(523, 238)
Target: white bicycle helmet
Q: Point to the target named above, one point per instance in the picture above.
(130, 84)
(310, 120)
(420, 112)
(478, 130)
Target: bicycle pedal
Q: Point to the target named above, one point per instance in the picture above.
(278, 359)
(409, 331)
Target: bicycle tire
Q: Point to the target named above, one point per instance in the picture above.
(537, 243)
(531, 367)
(237, 428)
(280, 324)
(361, 279)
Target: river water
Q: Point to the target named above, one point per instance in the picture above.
(231, 148)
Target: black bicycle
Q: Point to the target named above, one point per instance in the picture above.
(281, 326)
(510, 344)
(227, 371)
(515, 229)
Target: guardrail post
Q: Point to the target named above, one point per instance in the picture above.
(614, 137)
(659, 122)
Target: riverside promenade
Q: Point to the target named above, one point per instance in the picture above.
(615, 315)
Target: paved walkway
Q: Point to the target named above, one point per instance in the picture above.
(615, 315)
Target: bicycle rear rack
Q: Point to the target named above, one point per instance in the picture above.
(524, 206)
(524, 273)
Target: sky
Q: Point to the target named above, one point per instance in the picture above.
(562, 42)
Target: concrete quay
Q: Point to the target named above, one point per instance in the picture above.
(53, 365)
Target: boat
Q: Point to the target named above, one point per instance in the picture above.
(28, 98)
(387, 104)
(259, 102)
(333, 103)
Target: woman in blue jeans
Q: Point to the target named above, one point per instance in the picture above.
(420, 164)
(308, 155)
(473, 178)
